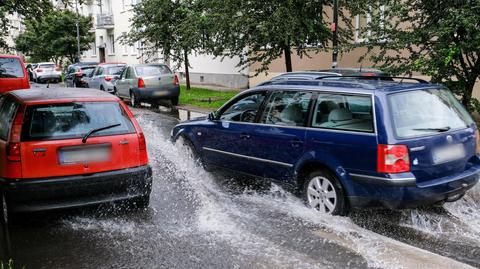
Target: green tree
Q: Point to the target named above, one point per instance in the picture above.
(53, 36)
(438, 38)
(24, 8)
(173, 27)
(262, 31)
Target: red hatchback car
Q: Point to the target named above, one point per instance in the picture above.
(13, 75)
(62, 148)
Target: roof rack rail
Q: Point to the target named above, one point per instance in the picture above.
(346, 83)
(422, 81)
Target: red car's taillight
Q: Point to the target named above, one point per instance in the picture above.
(176, 81)
(393, 159)
(14, 146)
(142, 146)
(141, 83)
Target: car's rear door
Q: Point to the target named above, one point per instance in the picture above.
(52, 143)
(278, 142)
(8, 109)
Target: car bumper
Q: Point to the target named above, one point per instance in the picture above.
(50, 76)
(408, 194)
(155, 94)
(77, 191)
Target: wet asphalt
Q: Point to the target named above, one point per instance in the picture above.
(198, 219)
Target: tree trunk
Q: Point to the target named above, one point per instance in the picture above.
(288, 58)
(467, 95)
(187, 72)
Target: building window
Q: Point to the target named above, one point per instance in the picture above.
(362, 22)
(111, 44)
(94, 47)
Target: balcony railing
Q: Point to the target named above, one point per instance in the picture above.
(105, 21)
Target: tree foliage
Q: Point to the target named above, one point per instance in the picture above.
(53, 36)
(263, 31)
(23, 8)
(438, 38)
(173, 27)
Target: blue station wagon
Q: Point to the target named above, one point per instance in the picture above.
(345, 143)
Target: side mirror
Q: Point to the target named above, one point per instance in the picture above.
(211, 116)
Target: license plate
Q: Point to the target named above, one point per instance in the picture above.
(85, 155)
(448, 154)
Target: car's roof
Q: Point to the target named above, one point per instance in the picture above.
(152, 64)
(46, 63)
(348, 85)
(53, 95)
(9, 56)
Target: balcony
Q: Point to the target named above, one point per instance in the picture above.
(105, 21)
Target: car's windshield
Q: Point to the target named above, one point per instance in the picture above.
(426, 112)
(152, 70)
(74, 120)
(10, 68)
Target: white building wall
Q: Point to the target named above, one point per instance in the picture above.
(204, 68)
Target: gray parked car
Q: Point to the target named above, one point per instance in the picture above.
(104, 76)
(148, 83)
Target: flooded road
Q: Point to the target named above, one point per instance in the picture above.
(199, 219)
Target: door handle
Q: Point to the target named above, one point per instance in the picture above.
(296, 142)
(244, 136)
(124, 142)
(37, 150)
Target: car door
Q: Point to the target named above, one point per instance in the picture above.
(225, 140)
(278, 142)
(122, 87)
(69, 76)
(95, 80)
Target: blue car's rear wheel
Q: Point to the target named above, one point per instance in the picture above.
(323, 193)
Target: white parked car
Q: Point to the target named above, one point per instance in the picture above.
(47, 72)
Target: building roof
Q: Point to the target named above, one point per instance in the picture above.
(45, 95)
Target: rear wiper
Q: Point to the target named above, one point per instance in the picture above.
(440, 129)
(84, 139)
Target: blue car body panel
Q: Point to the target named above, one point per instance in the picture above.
(281, 152)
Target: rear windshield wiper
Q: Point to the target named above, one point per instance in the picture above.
(440, 129)
(84, 139)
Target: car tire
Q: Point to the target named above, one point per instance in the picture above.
(192, 152)
(101, 88)
(323, 192)
(142, 202)
(134, 100)
(175, 101)
(4, 214)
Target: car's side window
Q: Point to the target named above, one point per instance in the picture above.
(130, 73)
(124, 73)
(344, 112)
(244, 109)
(7, 112)
(289, 108)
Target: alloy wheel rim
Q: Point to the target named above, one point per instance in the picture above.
(322, 195)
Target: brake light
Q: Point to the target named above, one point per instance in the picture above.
(79, 74)
(141, 83)
(14, 146)
(369, 74)
(176, 81)
(142, 145)
(392, 159)
(39, 70)
(108, 78)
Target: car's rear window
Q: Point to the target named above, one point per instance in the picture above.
(152, 70)
(11, 68)
(46, 66)
(74, 120)
(114, 70)
(426, 112)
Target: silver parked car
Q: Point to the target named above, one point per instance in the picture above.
(105, 75)
(148, 83)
